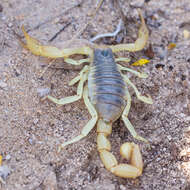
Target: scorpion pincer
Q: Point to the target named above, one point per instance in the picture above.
(106, 96)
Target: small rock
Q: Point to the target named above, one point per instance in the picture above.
(35, 121)
(10, 25)
(3, 17)
(137, 3)
(169, 137)
(8, 157)
(122, 187)
(4, 171)
(3, 84)
(43, 91)
(30, 141)
(186, 34)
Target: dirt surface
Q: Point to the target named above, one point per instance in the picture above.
(31, 129)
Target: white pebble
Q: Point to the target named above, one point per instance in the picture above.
(3, 84)
(4, 171)
(43, 91)
(8, 157)
(137, 3)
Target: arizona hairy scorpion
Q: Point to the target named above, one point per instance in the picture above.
(106, 95)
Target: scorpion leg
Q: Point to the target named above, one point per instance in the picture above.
(127, 122)
(90, 125)
(78, 77)
(140, 75)
(74, 62)
(50, 51)
(129, 151)
(74, 98)
(139, 43)
(145, 99)
(122, 59)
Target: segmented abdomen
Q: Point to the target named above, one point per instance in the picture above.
(106, 86)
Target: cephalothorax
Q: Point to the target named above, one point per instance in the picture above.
(106, 96)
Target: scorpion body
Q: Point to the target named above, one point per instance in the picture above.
(106, 96)
(106, 86)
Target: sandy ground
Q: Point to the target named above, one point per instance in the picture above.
(31, 129)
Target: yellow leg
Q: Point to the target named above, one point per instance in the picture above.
(139, 43)
(122, 59)
(140, 75)
(128, 106)
(78, 77)
(74, 62)
(127, 122)
(129, 151)
(89, 126)
(132, 130)
(70, 99)
(145, 99)
(49, 51)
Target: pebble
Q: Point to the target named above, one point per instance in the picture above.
(186, 34)
(3, 17)
(10, 25)
(3, 84)
(30, 141)
(169, 137)
(43, 91)
(8, 157)
(4, 171)
(122, 187)
(35, 121)
(137, 3)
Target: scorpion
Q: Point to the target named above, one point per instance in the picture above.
(105, 95)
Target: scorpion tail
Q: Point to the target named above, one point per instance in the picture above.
(129, 151)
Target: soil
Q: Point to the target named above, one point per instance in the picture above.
(32, 129)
